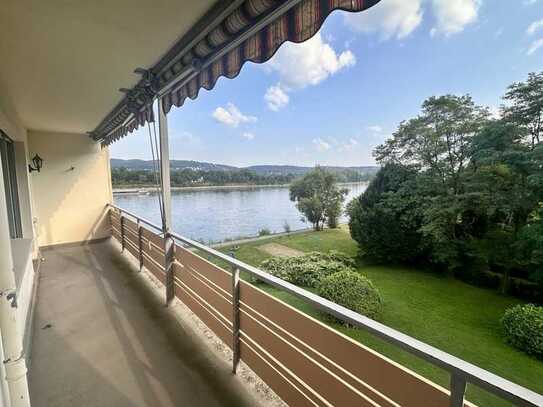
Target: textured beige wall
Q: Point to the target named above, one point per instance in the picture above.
(72, 188)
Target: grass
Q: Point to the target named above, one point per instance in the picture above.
(460, 319)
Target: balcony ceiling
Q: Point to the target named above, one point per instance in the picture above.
(62, 62)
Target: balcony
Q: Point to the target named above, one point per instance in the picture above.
(98, 316)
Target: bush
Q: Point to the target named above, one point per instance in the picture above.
(353, 291)
(523, 328)
(308, 270)
(264, 232)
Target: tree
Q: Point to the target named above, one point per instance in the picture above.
(438, 140)
(507, 175)
(318, 197)
(386, 218)
(526, 107)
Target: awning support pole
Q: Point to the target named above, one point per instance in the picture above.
(169, 245)
(12, 342)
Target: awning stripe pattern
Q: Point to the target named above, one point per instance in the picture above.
(299, 23)
(140, 118)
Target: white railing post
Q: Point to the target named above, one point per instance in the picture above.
(169, 244)
(235, 319)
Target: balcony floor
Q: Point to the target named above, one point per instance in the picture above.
(102, 338)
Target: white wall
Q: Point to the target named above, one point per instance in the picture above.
(72, 189)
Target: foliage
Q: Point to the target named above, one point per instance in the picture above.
(318, 198)
(264, 232)
(526, 107)
(353, 291)
(309, 269)
(191, 177)
(385, 219)
(523, 328)
(460, 192)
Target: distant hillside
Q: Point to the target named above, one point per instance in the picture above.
(298, 170)
(257, 169)
(174, 165)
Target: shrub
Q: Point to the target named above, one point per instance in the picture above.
(523, 328)
(308, 270)
(353, 291)
(264, 232)
(277, 266)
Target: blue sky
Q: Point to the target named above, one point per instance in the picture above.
(332, 99)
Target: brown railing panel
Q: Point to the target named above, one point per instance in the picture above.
(131, 247)
(114, 215)
(206, 290)
(153, 252)
(116, 233)
(115, 222)
(130, 225)
(154, 268)
(154, 238)
(299, 341)
(214, 274)
(291, 392)
(211, 316)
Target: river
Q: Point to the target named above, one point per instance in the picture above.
(214, 215)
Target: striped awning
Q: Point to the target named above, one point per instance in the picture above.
(252, 31)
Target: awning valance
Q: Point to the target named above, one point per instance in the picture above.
(250, 30)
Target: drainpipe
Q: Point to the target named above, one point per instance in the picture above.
(14, 360)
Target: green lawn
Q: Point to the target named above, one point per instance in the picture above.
(446, 313)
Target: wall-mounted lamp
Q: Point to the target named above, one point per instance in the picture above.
(38, 163)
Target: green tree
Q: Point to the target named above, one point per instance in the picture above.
(386, 218)
(507, 175)
(526, 107)
(438, 140)
(318, 197)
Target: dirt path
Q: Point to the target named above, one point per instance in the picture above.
(276, 249)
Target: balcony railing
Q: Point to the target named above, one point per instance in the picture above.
(304, 361)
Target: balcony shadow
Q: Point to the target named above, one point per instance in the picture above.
(108, 340)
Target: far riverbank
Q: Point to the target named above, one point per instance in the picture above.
(148, 189)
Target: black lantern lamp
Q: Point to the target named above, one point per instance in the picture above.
(38, 163)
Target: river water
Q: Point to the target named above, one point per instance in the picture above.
(214, 215)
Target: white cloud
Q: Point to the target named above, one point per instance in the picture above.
(321, 145)
(248, 135)
(276, 98)
(535, 27)
(389, 18)
(308, 63)
(453, 16)
(231, 116)
(399, 18)
(535, 46)
(530, 2)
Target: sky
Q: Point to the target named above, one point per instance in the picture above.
(332, 99)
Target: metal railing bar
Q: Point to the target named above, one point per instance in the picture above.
(470, 373)
(142, 220)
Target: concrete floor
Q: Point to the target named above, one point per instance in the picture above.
(103, 338)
